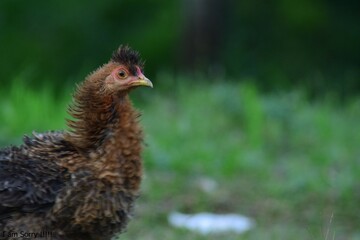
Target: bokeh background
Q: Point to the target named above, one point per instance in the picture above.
(255, 109)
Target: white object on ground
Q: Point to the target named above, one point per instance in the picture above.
(206, 223)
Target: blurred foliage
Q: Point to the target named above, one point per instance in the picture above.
(277, 44)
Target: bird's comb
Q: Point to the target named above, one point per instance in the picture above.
(125, 55)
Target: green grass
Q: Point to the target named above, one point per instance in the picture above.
(279, 158)
(24, 110)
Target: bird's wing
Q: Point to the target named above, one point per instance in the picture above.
(27, 185)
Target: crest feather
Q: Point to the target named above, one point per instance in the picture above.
(126, 56)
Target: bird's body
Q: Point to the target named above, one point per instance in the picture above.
(81, 183)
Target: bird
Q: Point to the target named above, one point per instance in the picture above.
(81, 182)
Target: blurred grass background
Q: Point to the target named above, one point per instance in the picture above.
(258, 99)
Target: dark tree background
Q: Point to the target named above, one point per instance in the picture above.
(278, 44)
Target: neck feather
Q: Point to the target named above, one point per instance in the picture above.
(98, 116)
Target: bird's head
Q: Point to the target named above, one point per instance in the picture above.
(124, 71)
(102, 97)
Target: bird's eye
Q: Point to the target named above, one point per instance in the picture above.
(122, 74)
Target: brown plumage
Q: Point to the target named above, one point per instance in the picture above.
(82, 183)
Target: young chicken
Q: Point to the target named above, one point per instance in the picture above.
(81, 183)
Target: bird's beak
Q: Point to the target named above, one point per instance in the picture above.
(142, 81)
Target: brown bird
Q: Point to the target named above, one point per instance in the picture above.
(81, 183)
